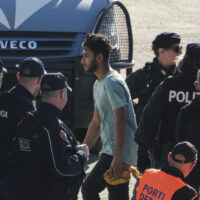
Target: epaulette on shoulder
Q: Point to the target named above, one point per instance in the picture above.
(163, 72)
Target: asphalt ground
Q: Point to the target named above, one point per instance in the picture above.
(149, 18)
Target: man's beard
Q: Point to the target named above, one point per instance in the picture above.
(93, 67)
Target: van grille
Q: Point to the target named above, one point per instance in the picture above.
(18, 45)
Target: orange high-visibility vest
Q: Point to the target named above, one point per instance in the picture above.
(158, 185)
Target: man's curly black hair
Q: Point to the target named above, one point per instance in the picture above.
(98, 43)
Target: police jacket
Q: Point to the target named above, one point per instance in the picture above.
(24, 101)
(188, 128)
(167, 184)
(62, 157)
(160, 114)
(144, 81)
(49, 167)
(13, 106)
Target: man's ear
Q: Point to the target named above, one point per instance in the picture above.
(18, 76)
(196, 85)
(99, 57)
(62, 94)
(192, 165)
(169, 157)
(39, 79)
(161, 51)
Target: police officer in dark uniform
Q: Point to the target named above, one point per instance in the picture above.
(13, 106)
(29, 78)
(3, 71)
(169, 182)
(144, 81)
(155, 133)
(51, 165)
(188, 128)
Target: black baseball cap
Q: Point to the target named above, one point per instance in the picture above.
(193, 49)
(2, 68)
(32, 67)
(185, 149)
(166, 39)
(54, 81)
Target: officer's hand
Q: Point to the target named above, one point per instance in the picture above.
(85, 149)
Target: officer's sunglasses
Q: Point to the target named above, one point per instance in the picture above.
(176, 49)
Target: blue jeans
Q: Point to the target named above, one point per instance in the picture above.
(95, 183)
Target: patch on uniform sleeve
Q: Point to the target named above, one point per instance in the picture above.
(63, 135)
(24, 144)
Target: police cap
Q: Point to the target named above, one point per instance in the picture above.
(32, 67)
(54, 81)
(2, 69)
(166, 39)
(185, 149)
(193, 49)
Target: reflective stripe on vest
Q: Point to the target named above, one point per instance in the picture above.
(158, 185)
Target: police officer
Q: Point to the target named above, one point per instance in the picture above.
(29, 78)
(2, 72)
(155, 133)
(13, 106)
(18, 100)
(144, 81)
(168, 183)
(51, 165)
(188, 128)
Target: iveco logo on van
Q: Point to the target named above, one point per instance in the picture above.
(15, 44)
